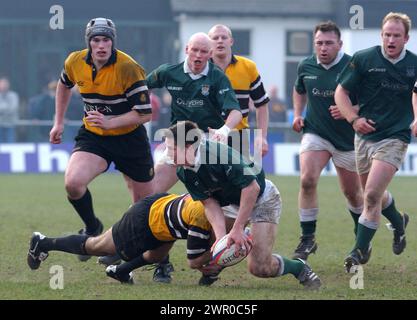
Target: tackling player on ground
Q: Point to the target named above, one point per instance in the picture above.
(218, 175)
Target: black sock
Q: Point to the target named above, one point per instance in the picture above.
(84, 208)
(355, 218)
(133, 264)
(394, 216)
(72, 244)
(165, 260)
(308, 228)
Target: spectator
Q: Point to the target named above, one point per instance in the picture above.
(9, 111)
(277, 106)
(42, 107)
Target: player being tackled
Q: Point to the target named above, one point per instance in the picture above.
(143, 236)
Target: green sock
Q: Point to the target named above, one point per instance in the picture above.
(292, 266)
(393, 216)
(355, 218)
(308, 227)
(364, 237)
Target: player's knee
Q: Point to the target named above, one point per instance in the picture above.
(259, 269)
(75, 189)
(372, 198)
(308, 182)
(353, 197)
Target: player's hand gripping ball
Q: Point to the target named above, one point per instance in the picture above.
(227, 257)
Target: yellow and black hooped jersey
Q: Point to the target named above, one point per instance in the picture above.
(246, 82)
(117, 88)
(180, 217)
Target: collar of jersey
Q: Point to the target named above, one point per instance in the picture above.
(89, 60)
(339, 57)
(191, 74)
(232, 61)
(394, 61)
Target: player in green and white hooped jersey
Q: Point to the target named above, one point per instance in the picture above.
(382, 77)
(326, 134)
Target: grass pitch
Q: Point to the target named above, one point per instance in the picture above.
(38, 203)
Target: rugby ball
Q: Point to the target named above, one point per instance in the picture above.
(227, 257)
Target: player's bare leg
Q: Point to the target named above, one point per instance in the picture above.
(351, 187)
(376, 182)
(138, 190)
(83, 167)
(262, 263)
(311, 166)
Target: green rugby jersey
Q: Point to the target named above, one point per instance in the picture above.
(217, 176)
(319, 84)
(202, 100)
(384, 91)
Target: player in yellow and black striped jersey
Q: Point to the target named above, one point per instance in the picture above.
(112, 91)
(144, 235)
(116, 105)
(246, 82)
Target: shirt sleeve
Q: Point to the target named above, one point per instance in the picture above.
(226, 96)
(415, 87)
(257, 90)
(299, 82)
(195, 193)
(155, 79)
(198, 239)
(351, 76)
(66, 77)
(136, 91)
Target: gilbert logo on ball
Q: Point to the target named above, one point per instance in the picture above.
(227, 257)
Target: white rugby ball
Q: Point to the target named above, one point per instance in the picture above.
(225, 257)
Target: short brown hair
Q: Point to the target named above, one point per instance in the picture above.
(184, 133)
(327, 26)
(398, 16)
